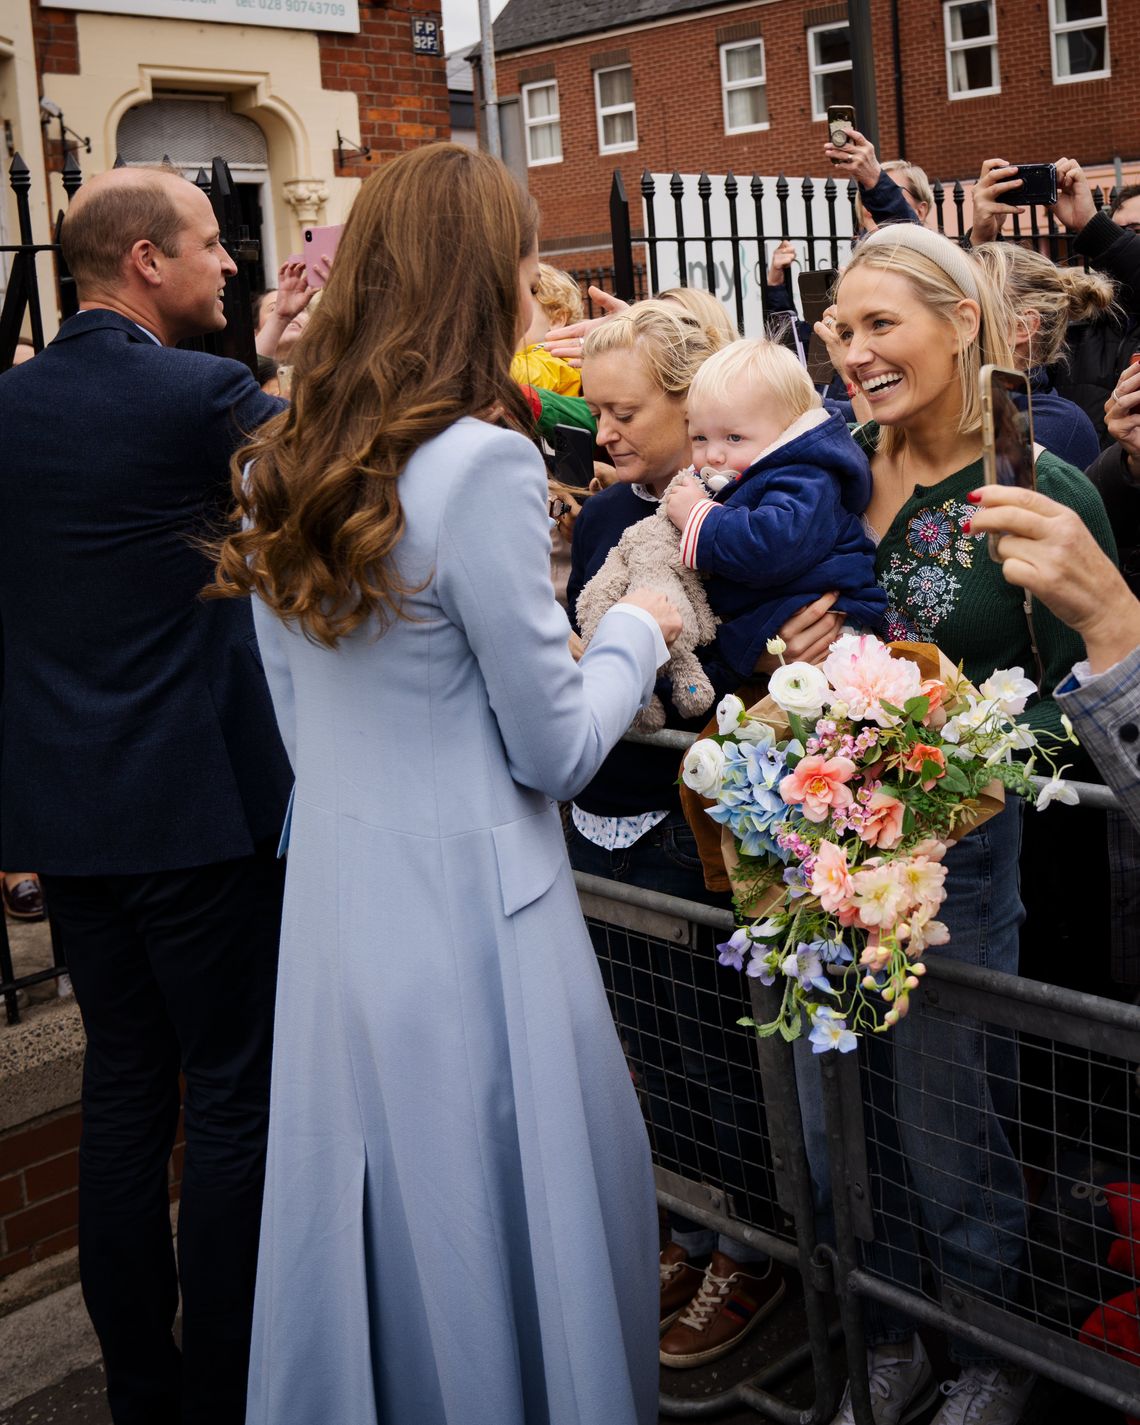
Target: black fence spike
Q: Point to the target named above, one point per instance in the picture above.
(704, 185)
(677, 185)
(782, 186)
(72, 175)
(731, 187)
(829, 190)
(120, 161)
(18, 170)
(756, 186)
(648, 186)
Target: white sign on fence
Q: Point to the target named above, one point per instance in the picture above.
(340, 15)
(753, 263)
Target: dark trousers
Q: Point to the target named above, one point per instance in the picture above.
(175, 972)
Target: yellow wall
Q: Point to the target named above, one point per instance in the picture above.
(19, 102)
(272, 77)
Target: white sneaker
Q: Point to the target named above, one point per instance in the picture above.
(985, 1395)
(901, 1381)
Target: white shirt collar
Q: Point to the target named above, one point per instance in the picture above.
(145, 332)
(643, 492)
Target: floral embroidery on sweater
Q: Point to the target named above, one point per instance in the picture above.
(925, 586)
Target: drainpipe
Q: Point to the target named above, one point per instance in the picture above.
(490, 87)
(863, 69)
(900, 110)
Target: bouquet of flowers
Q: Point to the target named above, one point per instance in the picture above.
(838, 796)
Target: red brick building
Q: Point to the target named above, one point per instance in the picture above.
(592, 85)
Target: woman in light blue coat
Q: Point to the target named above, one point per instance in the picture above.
(459, 1223)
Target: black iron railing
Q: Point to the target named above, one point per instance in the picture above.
(751, 221)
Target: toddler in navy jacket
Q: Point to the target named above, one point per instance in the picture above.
(784, 528)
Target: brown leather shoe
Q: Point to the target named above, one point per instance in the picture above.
(24, 900)
(680, 1282)
(730, 1302)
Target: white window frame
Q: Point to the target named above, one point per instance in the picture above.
(544, 121)
(954, 47)
(817, 71)
(1065, 27)
(730, 86)
(627, 108)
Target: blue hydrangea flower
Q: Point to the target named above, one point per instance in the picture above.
(749, 802)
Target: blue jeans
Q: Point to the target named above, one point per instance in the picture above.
(676, 1009)
(938, 1090)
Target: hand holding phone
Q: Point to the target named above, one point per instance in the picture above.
(1008, 453)
(840, 118)
(320, 243)
(1038, 184)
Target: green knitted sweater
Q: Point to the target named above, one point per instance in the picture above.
(944, 588)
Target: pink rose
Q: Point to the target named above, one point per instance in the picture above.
(831, 880)
(883, 823)
(922, 753)
(935, 690)
(818, 784)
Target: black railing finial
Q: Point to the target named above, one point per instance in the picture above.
(622, 235)
(72, 175)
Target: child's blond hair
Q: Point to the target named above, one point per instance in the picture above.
(558, 295)
(744, 369)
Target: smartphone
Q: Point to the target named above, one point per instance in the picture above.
(573, 456)
(1038, 183)
(840, 118)
(815, 292)
(1007, 431)
(320, 242)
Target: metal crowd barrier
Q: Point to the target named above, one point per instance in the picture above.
(723, 1112)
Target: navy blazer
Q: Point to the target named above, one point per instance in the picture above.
(136, 728)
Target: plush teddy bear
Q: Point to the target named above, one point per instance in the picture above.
(648, 555)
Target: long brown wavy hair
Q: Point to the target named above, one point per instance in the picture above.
(415, 329)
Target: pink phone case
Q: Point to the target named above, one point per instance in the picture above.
(320, 242)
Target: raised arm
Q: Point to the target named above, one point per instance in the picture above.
(558, 719)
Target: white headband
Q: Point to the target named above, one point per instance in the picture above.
(944, 252)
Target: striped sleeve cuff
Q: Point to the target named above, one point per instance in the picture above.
(692, 531)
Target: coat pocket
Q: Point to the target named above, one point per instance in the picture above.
(530, 852)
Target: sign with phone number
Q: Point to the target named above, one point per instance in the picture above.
(342, 15)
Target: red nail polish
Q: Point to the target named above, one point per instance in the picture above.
(975, 497)
(965, 526)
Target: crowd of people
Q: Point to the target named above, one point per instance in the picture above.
(291, 773)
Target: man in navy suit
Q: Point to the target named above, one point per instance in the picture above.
(141, 771)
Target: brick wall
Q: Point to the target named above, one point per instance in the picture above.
(39, 1170)
(403, 95)
(1032, 120)
(56, 38)
(680, 123)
